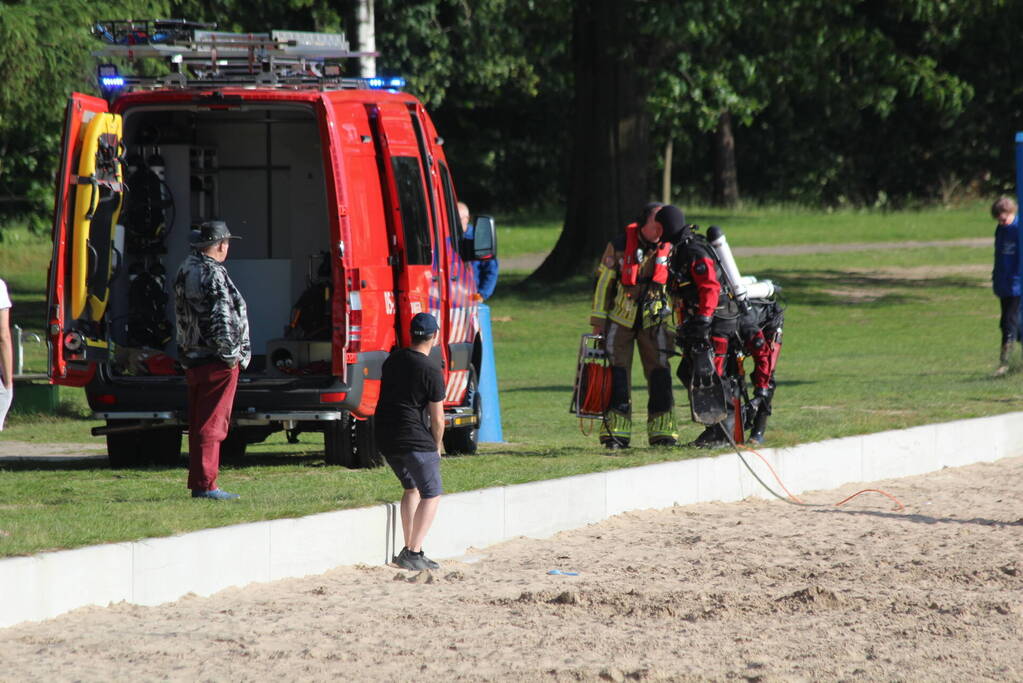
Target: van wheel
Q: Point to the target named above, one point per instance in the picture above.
(123, 449)
(160, 446)
(366, 453)
(232, 449)
(465, 440)
(338, 438)
(163, 446)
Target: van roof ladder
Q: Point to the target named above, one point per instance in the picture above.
(202, 57)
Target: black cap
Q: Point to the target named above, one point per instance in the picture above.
(209, 233)
(673, 222)
(423, 325)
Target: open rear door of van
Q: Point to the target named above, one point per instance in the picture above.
(86, 209)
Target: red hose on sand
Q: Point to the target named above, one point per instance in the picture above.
(793, 499)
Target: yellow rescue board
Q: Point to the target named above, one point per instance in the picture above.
(98, 198)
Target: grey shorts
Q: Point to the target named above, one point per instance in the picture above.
(418, 470)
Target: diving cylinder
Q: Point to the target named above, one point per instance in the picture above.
(731, 272)
(758, 289)
(764, 289)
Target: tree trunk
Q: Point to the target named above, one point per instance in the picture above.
(608, 181)
(360, 29)
(669, 150)
(726, 179)
(367, 38)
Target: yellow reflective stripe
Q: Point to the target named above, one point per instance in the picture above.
(605, 276)
(624, 310)
(662, 425)
(620, 425)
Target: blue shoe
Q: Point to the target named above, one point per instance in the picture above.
(215, 494)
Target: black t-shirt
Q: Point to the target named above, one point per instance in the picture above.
(409, 382)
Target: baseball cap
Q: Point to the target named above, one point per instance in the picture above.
(211, 232)
(423, 325)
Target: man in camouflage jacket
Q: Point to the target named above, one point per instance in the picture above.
(213, 346)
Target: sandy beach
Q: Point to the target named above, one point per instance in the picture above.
(755, 590)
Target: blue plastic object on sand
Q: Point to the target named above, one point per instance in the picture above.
(558, 572)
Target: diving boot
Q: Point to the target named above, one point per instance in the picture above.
(1003, 360)
(712, 437)
(756, 435)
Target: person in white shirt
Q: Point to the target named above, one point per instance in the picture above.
(6, 354)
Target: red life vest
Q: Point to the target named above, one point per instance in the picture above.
(633, 257)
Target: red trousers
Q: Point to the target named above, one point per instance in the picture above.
(211, 390)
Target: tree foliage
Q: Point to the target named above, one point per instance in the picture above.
(862, 102)
(44, 56)
(804, 78)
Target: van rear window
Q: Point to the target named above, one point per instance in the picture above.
(454, 222)
(413, 210)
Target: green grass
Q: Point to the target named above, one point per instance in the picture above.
(874, 340)
(532, 237)
(24, 260)
(774, 226)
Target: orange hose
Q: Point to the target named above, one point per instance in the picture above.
(598, 388)
(775, 474)
(900, 507)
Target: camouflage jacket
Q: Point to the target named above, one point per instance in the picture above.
(211, 315)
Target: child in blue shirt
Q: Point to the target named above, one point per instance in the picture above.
(1005, 278)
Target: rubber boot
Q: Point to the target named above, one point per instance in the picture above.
(1003, 360)
(756, 435)
(615, 430)
(712, 437)
(716, 435)
(661, 430)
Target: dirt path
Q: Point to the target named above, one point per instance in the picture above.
(753, 590)
(27, 451)
(530, 262)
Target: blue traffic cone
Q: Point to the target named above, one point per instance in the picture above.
(490, 426)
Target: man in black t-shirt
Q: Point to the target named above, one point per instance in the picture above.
(409, 431)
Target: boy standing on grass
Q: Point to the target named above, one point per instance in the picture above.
(1005, 277)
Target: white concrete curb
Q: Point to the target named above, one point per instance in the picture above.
(158, 570)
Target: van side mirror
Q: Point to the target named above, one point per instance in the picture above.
(483, 244)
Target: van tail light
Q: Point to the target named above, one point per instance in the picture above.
(105, 399)
(354, 338)
(334, 397)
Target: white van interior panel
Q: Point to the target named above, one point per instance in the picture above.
(260, 169)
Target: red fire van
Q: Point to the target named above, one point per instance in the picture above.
(341, 192)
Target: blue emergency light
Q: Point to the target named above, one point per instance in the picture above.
(388, 82)
(109, 78)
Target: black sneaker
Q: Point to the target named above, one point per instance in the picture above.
(421, 556)
(416, 562)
